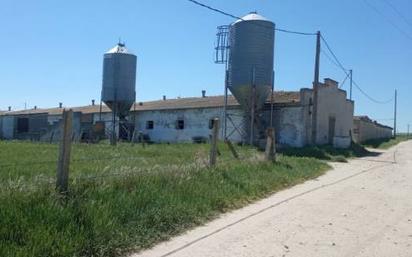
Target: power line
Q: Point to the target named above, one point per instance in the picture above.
(240, 18)
(335, 60)
(296, 32)
(398, 12)
(340, 65)
(337, 65)
(369, 97)
(215, 10)
(343, 83)
(330, 58)
(387, 19)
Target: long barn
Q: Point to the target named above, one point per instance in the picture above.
(187, 119)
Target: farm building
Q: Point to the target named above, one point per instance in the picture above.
(184, 119)
(365, 129)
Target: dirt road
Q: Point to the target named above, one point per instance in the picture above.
(360, 208)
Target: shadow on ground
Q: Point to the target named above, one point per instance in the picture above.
(329, 153)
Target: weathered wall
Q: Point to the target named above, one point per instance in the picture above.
(37, 125)
(196, 124)
(332, 104)
(364, 130)
(1, 127)
(289, 124)
(7, 127)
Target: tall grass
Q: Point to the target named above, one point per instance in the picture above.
(328, 152)
(127, 198)
(386, 142)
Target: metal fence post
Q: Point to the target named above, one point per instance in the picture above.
(64, 152)
(213, 148)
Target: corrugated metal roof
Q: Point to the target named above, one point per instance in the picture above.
(366, 118)
(169, 104)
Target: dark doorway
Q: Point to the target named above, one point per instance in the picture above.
(22, 125)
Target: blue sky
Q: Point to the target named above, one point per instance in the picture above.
(51, 51)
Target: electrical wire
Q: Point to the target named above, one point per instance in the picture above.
(343, 83)
(329, 58)
(335, 60)
(387, 19)
(398, 12)
(369, 97)
(337, 65)
(340, 65)
(240, 18)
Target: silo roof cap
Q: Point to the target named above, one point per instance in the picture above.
(119, 48)
(253, 16)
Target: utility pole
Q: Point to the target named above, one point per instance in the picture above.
(315, 89)
(351, 84)
(395, 113)
(407, 133)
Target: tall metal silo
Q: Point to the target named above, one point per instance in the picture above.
(250, 67)
(251, 59)
(119, 82)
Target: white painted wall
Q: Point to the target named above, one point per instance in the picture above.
(196, 123)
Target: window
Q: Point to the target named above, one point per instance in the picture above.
(22, 125)
(149, 124)
(180, 124)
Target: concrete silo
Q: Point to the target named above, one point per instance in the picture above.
(119, 83)
(250, 66)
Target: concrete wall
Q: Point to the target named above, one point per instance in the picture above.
(7, 127)
(1, 127)
(364, 130)
(289, 125)
(333, 105)
(196, 124)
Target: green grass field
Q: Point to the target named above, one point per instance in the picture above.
(127, 198)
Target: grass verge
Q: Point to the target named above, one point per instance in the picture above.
(385, 143)
(327, 152)
(127, 198)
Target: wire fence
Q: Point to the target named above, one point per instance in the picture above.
(87, 163)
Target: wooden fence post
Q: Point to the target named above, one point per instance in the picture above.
(51, 137)
(64, 152)
(213, 148)
(141, 137)
(133, 137)
(270, 151)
